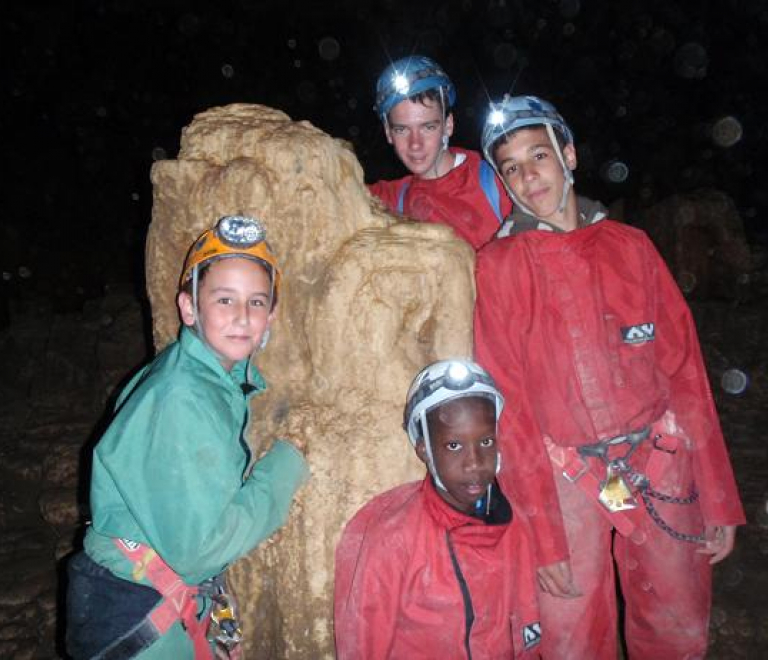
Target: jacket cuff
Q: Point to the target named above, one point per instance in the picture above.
(291, 460)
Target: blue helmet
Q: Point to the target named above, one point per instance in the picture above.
(407, 77)
(519, 112)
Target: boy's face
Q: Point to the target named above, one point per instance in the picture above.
(463, 440)
(415, 130)
(234, 307)
(529, 164)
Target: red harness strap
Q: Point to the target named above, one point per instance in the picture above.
(178, 603)
(577, 470)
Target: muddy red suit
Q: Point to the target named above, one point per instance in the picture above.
(576, 369)
(394, 563)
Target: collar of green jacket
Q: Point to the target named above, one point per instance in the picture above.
(243, 374)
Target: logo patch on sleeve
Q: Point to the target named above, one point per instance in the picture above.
(637, 334)
(531, 635)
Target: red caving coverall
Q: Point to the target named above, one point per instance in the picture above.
(589, 338)
(456, 199)
(417, 579)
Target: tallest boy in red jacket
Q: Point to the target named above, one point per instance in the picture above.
(614, 445)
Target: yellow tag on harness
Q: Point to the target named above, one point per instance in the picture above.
(140, 567)
(615, 494)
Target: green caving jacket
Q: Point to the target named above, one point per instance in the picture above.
(171, 471)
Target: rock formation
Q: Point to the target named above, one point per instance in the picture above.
(366, 302)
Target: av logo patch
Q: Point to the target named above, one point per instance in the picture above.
(637, 334)
(531, 635)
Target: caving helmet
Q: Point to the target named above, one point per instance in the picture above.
(515, 112)
(233, 236)
(438, 384)
(409, 76)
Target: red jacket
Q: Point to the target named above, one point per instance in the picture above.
(398, 593)
(588, 337)
(456, 199)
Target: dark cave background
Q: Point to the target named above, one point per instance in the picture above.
(97, 90)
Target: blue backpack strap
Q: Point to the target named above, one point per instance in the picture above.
(401, 197)
(488, 184)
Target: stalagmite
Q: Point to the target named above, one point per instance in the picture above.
(367, 301)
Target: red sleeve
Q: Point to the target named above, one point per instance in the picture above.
(388, 192)
(499, 339)
(368, 578)
(690, 399)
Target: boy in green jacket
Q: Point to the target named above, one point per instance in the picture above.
(174, 499)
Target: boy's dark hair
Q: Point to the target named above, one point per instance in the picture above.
(202, 270)
(504, 138)
(432, 95)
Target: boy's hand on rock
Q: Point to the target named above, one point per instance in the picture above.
(718, 542)
(557, 580)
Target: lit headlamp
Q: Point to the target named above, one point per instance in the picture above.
(496, 117)
(401, 84)
(458, 377)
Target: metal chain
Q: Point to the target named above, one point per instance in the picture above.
(641, 482)
(679, 536)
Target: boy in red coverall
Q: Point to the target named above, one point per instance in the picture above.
(614, 446)
(454, 187)
(440, 568)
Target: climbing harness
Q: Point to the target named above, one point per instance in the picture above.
(180, 602)
(616, 493)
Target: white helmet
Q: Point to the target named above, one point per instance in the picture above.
(440, 383)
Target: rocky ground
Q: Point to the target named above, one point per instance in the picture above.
(59, 372)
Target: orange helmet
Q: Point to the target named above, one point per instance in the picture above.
(233, 236)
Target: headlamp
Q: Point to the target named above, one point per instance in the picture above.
(400, 83)
(239, 231)
(458, 377)
(496, 118)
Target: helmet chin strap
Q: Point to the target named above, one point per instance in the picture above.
(195, 307)
(198, 327)
(567, 172)
(430, 458)
(444, 140)
(567, 176)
